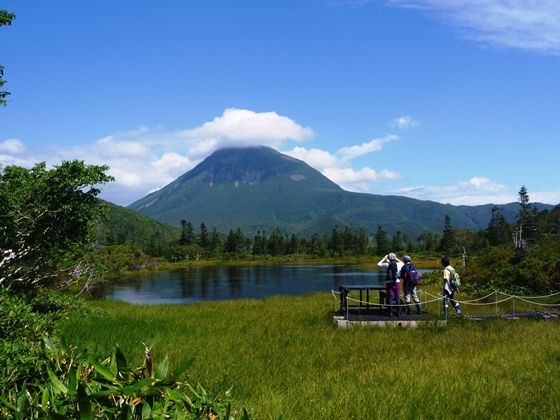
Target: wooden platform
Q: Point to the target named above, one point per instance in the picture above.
(382, 319)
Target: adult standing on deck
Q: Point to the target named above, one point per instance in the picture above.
(448, 288)
(392, 266)
(409, 288)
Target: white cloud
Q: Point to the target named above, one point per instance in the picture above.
(521, 24)
(318, 159)
(404, 123)
(340, 171)
(360, 180)
(547, 197)
(144, 160)
(478, 190)
(373, 146)
(12, 146)
(241, 127)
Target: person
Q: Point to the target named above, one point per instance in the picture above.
(409, 290)
(392, 264)
(448, 289)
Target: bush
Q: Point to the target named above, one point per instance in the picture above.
(74, 385)
(45, 378)
(114, 259)
(517, 272)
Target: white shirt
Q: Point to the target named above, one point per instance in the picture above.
(386, 265)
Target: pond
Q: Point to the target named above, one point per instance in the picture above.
(221, 282)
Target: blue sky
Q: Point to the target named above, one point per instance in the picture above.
(455, 101)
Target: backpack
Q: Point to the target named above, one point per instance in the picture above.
(391, 272)
(411, 275)
(455, 279)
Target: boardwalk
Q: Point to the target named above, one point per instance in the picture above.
(379, 317)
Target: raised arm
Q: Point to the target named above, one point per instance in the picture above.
(383, 261)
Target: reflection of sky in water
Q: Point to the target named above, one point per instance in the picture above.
(194, 284)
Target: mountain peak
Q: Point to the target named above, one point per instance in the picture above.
(251, 165)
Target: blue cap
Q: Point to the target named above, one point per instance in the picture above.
(406, 258)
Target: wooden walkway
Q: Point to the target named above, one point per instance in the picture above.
(380, 317)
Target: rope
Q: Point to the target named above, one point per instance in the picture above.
(530, 297)
(535, 303)
(471, 302)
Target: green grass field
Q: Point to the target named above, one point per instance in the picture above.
(285, 356)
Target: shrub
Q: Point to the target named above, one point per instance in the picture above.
(80, 387)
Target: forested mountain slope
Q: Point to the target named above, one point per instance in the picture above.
(259, 188)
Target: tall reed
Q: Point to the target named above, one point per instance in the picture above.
(284, 355)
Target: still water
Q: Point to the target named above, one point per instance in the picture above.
(195, 284)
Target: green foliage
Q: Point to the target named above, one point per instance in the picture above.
(499, 231)
(26, 316)
(518, 272)
(550, 221)
(124, 226)
(448, 243)
(381, 241)
(80, 387)
(5, 19)
(115, 259)
(187, 233)
(184, 252)
(41, 377)
(47, 218)
(527, 230)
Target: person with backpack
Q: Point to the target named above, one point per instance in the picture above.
(393, 266)
(450, 286)
(410, 277)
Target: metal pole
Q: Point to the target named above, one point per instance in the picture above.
(347, 319)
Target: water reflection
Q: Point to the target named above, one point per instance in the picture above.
(194, 284)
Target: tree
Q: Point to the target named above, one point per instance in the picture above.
(203, 238)
(276, 243)
(337, 242)
(498, 228)
(236, 242)
(362, 242)
(550, 220)
(47, 220)
(448, 242)
(293, 245)
(397, 242)
(315, 244)
(5, 19)
(381, 241)
(259, 244)
(407, 242)
(187, 233)
(215, 240)
(527, 230)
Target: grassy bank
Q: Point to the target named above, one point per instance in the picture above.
(365, 263)
(284, 355)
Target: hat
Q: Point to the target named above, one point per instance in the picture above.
(392, 257)
(406, 258)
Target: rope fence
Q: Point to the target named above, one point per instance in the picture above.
(427, 299)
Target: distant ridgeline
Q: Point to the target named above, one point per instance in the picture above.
(259, 188)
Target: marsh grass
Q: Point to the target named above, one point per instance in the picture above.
(284, 355)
